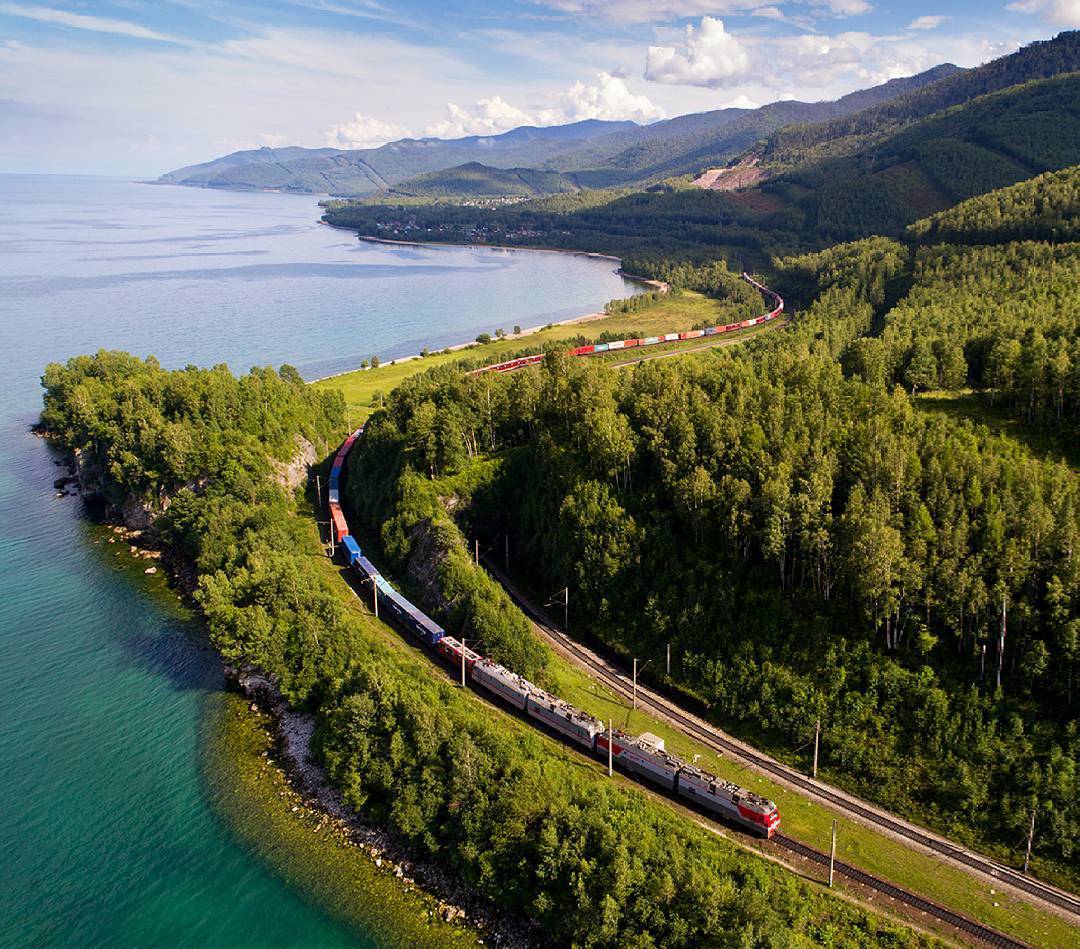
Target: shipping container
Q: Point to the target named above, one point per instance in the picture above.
(650, 340)
(601, 347)
(335, 496)
(618, 344)
(351, 548)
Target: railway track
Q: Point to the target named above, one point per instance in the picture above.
(716, 740)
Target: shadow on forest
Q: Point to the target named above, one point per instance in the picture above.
(1041, 440)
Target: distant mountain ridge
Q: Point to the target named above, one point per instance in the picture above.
(359, 171)
(599, 153)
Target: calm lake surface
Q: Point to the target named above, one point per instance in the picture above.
(107, 835)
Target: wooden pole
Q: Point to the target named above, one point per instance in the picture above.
(1031, 840)
(817, 736)
(832, 854)
(610, 755)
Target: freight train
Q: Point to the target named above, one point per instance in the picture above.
(642, 755)
(595, 348)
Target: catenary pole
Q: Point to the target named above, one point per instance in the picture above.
(610, 741)
(463, 663)
(817, 736)
(1031, 840)
(375, 596)
(669, 659)
(832, 854)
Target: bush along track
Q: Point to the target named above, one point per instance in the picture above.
(514, 816)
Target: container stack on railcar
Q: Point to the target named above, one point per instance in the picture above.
(642, 755)
(593, 348)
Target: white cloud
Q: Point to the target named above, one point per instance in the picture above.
(926, 22)
(364, 131)
(712, 57)
(845, 7)
(487, 117)
(80, 21)
(651, 11)
(1057, 12)
(609, 99)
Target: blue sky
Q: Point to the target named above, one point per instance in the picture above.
(139, 87)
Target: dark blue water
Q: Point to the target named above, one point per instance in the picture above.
(106, 833)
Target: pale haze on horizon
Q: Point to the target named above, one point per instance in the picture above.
(134, 88)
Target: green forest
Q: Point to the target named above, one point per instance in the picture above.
(513, 814)
(813, 544)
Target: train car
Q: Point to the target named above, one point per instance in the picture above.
(711, 330)
(601, 347)
(449, 647)
(628, 343)
(338, 524)
(335, 496)
(651, 340)
(582, 350)
(502, 682)
(644, 755)
(671, 337)
(563, 717)
(417, 622)
(616, 344)
(365, 568)
(729, 800)
(351, 549)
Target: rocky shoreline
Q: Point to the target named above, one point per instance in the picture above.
(293, 733)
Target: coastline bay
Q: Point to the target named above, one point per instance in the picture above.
(108, 834)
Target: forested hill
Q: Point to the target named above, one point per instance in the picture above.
(798, 144)
(1046, 207)
(475, 180)
(990, 142)
(813, 542)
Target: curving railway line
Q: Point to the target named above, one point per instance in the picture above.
(708, 735)
(716, 740)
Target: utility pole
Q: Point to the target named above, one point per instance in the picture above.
(643, 665)
(476, 549)
(610, 754)
(318, 493)
(817, 737)
(669, 660)
(1001, 642)
(566, 610)
(1031, 840)
(832, 854)
(375, 596)
(507, 553)
(982, 663)
(463, 663)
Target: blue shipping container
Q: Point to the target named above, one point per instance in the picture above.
(352, 549)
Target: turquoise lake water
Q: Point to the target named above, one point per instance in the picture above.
(106, 833)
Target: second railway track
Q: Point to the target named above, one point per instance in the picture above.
(841, 802)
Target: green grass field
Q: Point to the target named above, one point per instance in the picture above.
(363, 387)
